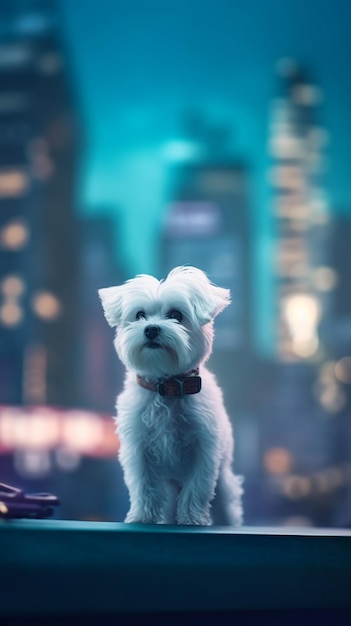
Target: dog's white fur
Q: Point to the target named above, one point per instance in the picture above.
(176, 453)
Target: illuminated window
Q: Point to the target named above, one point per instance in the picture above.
(308, 94)
(13, 183)
(293, 206)
(343, 370)
(332, 398)
(10, 314)
(46, 305)
(287, 177)
(291, 257)
(302, 314)
(278, 461)
(82, 431)
(12, 286)
(284, 145)
(34, 374)
(325, 278)
(200, 218)
(15, 235)
(178, 150)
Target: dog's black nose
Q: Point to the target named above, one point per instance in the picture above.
(151, 331)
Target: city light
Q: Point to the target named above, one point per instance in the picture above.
(12, 286)
(332, 398)
(325, 278)
(35, 374)
(180, 150)
(342, 370)
(82, 432)
(10, 314)
(308, 95)
(317, 484)
(302, 313)
(278, 461)
(14, 235)
(13, 183)
(328, 390)
(297, 487)
(289, 177)
(69, 432)
(46, 305)
(199, 218)
(284, 145)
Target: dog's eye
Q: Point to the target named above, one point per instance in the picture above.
(175, 315)
(140, 315)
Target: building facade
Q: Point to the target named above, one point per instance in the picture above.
(38, 239)
(303, 280)
(206, 224)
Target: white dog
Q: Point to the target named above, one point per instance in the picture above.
(176, 441)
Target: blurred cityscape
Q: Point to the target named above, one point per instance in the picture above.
(59, 375)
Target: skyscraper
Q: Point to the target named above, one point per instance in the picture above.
(38, 158)
(302, 277)
(207, 225)
(100, 370)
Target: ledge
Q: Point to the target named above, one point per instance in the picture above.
(52, 567)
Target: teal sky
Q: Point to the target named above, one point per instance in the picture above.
(138, 64)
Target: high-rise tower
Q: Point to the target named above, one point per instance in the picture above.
(38, 156)
(207, 225)
(302, 277)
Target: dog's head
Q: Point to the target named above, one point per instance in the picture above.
(164, 328)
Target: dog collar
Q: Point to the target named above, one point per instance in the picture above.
(175, 387)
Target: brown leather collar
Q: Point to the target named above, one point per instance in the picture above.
(175, 387)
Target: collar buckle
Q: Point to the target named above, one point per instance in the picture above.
(161, 388)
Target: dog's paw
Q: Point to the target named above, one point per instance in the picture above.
(142, 518)
(194, 520)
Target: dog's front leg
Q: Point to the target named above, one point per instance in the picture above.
(193, 507)
(147, 494)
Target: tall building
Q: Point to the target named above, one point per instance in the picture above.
(298, 438)
(100, 371)
(303, 279)
(207, 225)
(38, 164)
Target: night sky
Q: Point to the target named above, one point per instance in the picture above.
(138, 64)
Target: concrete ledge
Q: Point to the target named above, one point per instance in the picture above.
(52, 567)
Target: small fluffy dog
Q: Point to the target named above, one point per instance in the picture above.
(176, 441)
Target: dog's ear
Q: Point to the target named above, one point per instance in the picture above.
(111, 300)
(208, 299)
(219, 299)
(208, 307)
